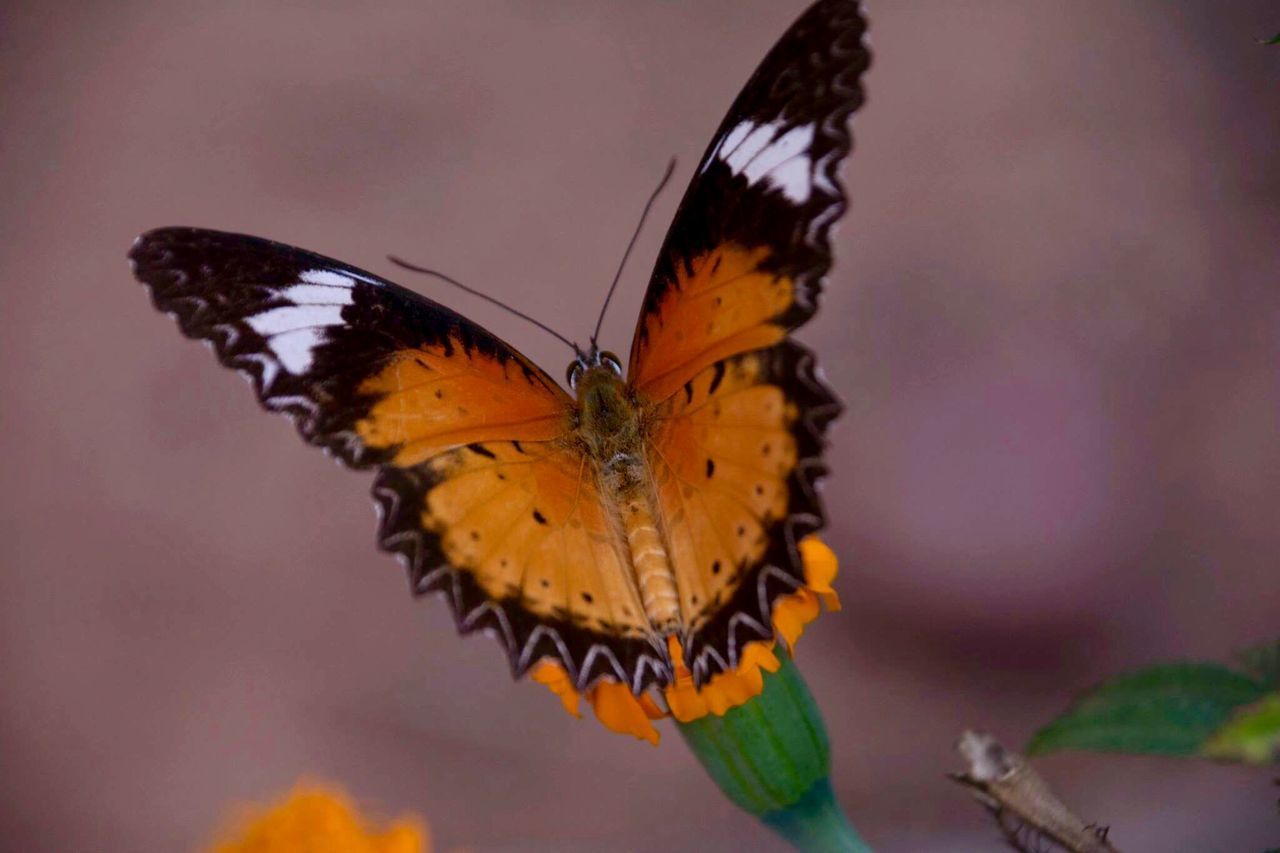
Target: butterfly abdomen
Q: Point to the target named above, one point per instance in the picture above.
(652, 564)
(609, 423)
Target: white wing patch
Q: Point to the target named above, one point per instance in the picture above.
(280, 320)
(758, 152)
(332, 278)
(294, 331)
(294, 348)
(317, 294)
(754, 143)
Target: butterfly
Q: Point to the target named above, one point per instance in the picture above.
(588, 526)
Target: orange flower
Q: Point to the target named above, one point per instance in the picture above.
(622, 711)
(820, 568)
(320, 819)
(725, 690)
(553, 675)
(617, 708)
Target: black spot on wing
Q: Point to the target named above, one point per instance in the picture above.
(717, 376)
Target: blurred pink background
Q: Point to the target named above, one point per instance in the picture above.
(1055, 318)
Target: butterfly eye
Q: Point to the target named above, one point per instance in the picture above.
(614, 363)
(572, 374)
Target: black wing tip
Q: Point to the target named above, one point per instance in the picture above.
(154, 243)
(143, 249)
(153, 252)
(155, 237)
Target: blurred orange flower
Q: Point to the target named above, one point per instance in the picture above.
(319, 818)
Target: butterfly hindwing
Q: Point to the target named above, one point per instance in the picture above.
(740, 412)
(517, 537)
(736, 458)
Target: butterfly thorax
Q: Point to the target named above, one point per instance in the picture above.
(608, 418)
(611, 424)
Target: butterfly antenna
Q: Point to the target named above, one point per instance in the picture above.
(487, 298)
(671, 167)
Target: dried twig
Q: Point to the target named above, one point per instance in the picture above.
(1031, 817)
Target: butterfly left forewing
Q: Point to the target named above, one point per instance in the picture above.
(368, 370)
(739, 414)
(484, 492)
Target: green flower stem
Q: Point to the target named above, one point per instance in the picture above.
(772, 758)
(816, 822)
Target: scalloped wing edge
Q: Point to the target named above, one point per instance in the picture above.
(526, 638)
(748, 615)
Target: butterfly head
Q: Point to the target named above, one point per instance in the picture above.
(603, 408)
(603, 363)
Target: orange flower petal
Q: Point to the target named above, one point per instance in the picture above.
(616, 707)
(820, 565)
(620, 711)
(685, 702)
(723, 691)
(650, 707)
(791, 613)
(556, 679)
(682, 698)
(676, 651)
(760, 656)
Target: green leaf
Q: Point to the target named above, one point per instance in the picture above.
(1251, 736)
(1164, 710)
(1273, 40)
(1262, 662)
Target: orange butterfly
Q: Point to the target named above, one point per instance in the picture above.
(638, 526)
